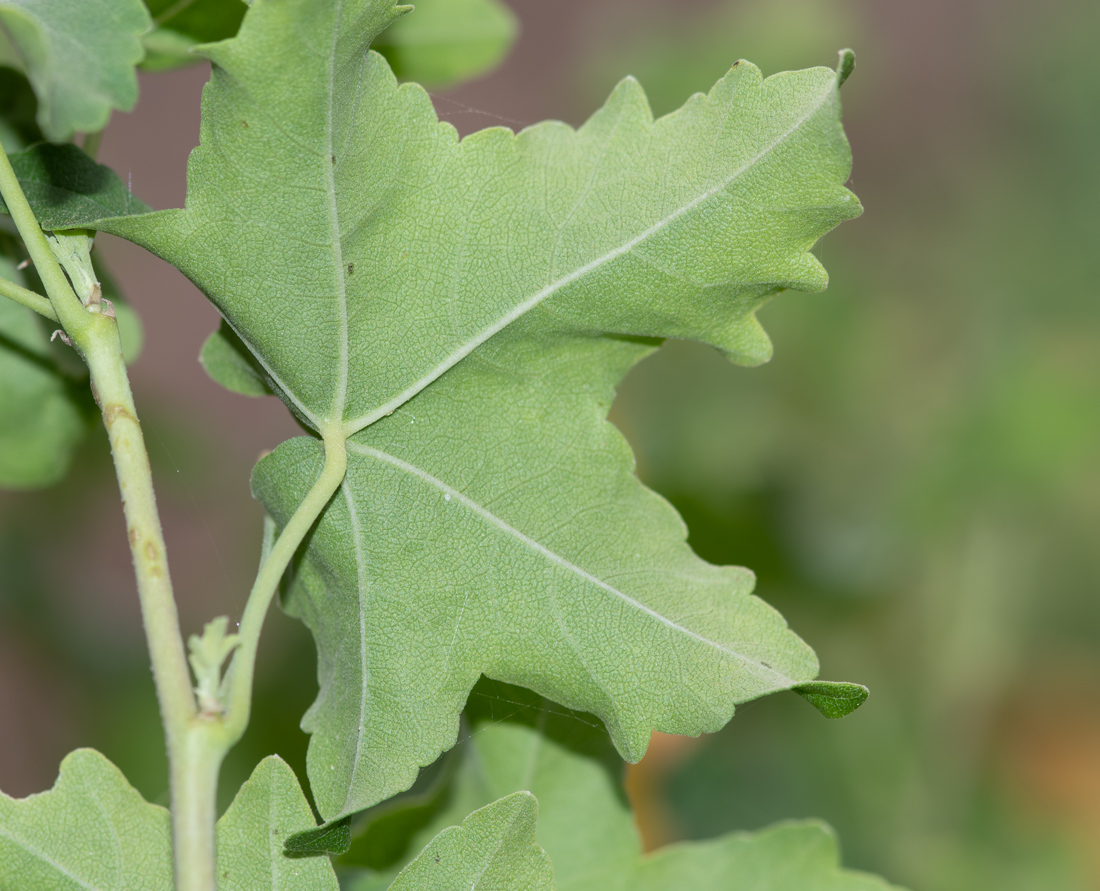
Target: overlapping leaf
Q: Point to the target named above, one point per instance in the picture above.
(463, 310)
(250, 835)
(93, 830)
(79, 55)
(68, 190)
(516, 742)
(493, 850)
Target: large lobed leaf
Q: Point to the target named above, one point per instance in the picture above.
(463, 311)
(518, 743)
(79, 55)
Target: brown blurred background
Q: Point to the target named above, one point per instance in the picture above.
(915, 477)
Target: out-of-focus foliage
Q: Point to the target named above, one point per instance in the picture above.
(79, 56)
(441, 43)
(916, 476)
(444, 42)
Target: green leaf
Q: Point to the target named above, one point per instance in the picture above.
(91, 832)
(444, 42)
(79, 56)
(18, 127)
(44, 408)
(68, 190)
(494, 849)
(463, 311)
(518, 742)
(250, 836)
(332, 838)
(226, 359)
(833, 699)
(181, 26)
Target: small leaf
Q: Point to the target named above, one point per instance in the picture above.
(444, 42)
(92, 831)
(207, 655)
(68, 190)
(267, 808)
(494, 849)
(79, 56)
(227, 361)
(834, 699)
(332, 838)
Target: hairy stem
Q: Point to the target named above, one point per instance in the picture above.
(27, 298)
(239, 698)
(195, 748)
(67, 306)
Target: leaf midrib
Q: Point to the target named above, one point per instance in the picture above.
(455, 495)
(356, 424)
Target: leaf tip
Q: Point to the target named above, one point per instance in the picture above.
(845, 66)
(834, 699)
(332, 838)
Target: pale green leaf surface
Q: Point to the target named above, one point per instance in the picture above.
(91, 832)
(68, 190)
(79, 56)
(493, 850)
(517, 742)
(41, 416)
(444, 42)
(443, 303)
(268, 808)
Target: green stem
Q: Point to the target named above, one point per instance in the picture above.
(67, 306)
(195, 746)
(239, 676)
(29, 299)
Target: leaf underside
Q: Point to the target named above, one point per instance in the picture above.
(494, 849)
(517, 742)
(68, 190)
(461, 312)
(250, 836)
(79, 56)
(92, 831)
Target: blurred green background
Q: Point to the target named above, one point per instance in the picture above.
(915, 477)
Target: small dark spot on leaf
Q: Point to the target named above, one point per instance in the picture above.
(244, 124)
(351, 268)
(765, 664)
(334, 159)
(436, 858)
